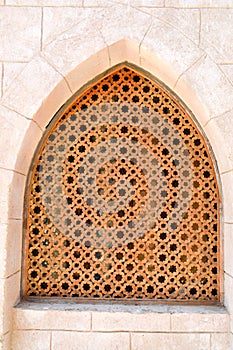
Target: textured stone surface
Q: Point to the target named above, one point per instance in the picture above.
(5, 183)
(220, 341)
(213, 88)
(148, 322)
(228, 248)
(11, 70)
(52, 319)
(227, 180)
(228, 70)
(70, 48)
(167, 43)
(224, 124)
(20, 30)
(199, 322)
(37, 80)
(44, 2)
(164, 341)
(187, 21)
(32, 340)
(149, 3)
(228, 287)
(13, 245)
(13, 128)
(12, 288)
(217, 43)
(90, 341)
(199, 3)
(58, 20)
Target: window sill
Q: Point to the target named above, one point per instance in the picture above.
(117, 317)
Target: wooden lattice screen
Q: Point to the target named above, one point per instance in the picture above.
(122, 200)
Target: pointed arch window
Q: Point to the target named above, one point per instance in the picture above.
(122, 199)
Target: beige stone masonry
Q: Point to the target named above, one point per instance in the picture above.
(227, 188)
(11, 70)
(228, 70)
(13, 129)
(198, 3)
(27, 148)
(149, 3)
(213, 40)
(69, 320)
(223, 123)
(6, 177)
(58, 20)
(213, 88)
(11, 297)
(44, 2)
(201, 323)
(165, 341)
(186, 21)
(13, 245)
(20, 30)
(228, 287)
(216, 138)
(37, 78)
(33, 340)
(90, 341)
(228, 248)
(220, 341)
(130, 322)
(170, 45)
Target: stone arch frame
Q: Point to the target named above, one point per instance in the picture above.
(60, 91)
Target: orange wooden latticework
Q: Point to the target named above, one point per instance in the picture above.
(123, 199)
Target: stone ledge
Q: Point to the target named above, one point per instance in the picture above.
(127, 318)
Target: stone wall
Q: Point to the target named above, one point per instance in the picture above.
(51, 48)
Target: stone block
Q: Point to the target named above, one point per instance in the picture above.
(220, 341)
(13, 247)
(166, 42)
(90, 341)
(70, 48)
(11, 72)
(28, 146)
(33, 340)
(6, 177)
(20, 31)
(187, 21)
(16, 196)
(117, 321)
(58, 20)
(216, 36)
(98, 3)
(228, 248)
(51, 319)
(210, 84)
(227, 180)
(224, 124)
(228, 70)
(198, 3)
(216, 137)
(44, 2)
(11, 297)
(149, 3)
(13, 129)
(133, 24)
(124, 50)
(31, 87)
(199, 323)
(6, 341)
(228, 287)
(164, 341)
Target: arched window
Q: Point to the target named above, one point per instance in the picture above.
(122, 200)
